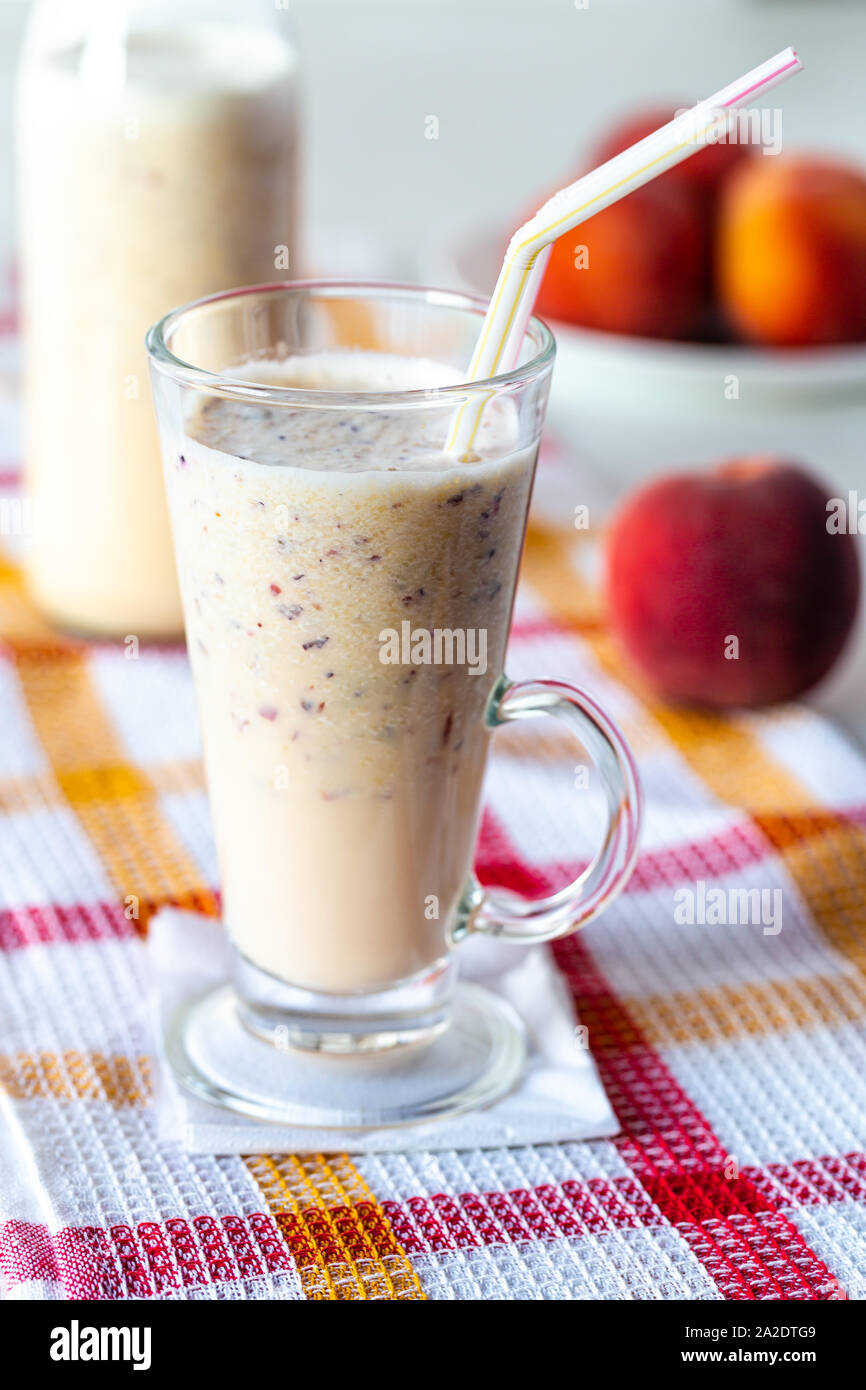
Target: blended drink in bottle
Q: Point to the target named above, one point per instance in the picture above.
(347, 591)
(139, 189)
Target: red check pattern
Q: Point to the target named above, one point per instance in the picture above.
(735, 1061)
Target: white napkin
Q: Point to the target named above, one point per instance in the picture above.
(560, 1095)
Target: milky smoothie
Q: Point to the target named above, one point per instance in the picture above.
(344, 759)
(138, 190)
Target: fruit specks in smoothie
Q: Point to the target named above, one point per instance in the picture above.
(494, 506)
(408, 733)
(457, 497)
(310, 706)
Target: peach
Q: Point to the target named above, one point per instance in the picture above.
(727, 587)
(643, 270)
(791, 256)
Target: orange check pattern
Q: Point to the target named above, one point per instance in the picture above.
(735, 1057)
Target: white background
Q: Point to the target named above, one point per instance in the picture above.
(520, 88)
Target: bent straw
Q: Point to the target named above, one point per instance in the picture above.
(498, 345)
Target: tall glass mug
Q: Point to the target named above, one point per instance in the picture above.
(347, 589)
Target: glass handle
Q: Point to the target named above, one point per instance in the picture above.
(512, 918)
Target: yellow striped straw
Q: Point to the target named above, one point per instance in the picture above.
(499, 343)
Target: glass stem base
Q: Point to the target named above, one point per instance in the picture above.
(290, 1017)
(470, 1062)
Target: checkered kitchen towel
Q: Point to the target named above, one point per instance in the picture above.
(734, 1054)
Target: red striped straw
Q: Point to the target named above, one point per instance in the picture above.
(501, 336)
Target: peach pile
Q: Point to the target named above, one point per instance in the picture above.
(730, 245)
(728, 587)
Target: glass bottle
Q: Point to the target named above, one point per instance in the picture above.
(157, 158)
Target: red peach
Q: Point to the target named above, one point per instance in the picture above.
(727, 587)
(639, 267)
